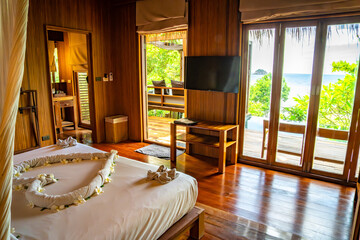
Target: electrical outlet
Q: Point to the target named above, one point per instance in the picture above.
(44, 138)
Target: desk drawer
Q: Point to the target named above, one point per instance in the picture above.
(68, 103)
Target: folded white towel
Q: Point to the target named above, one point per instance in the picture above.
(162, 175)
(69, 142)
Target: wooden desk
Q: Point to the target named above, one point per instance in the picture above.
(222, 142)
(65, 102)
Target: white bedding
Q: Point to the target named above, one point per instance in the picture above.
(130, 207)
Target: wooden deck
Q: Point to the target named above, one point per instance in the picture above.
(159, 131)
(292, 142)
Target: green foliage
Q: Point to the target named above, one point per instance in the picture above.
(260, 92)
(158, 113)
(162, 64)
(336, 100)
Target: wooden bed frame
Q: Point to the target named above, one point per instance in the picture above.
(193, 221)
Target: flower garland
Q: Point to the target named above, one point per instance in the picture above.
(34, 186)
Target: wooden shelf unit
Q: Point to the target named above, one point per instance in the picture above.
(222, 141)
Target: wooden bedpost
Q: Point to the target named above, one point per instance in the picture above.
(198, 230)
(193, 221)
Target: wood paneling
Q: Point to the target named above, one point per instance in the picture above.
(213, 31)
(125, 89)
(91, 15)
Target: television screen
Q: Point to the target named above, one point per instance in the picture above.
(212, 73)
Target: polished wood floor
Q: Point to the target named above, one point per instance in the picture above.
(272, 204)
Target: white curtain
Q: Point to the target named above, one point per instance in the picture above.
(13, 25)
(260, 10)
(155, 16)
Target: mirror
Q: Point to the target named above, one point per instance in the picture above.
(69, 74)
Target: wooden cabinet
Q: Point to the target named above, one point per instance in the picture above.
(223, 141)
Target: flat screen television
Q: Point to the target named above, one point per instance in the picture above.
(213, 73)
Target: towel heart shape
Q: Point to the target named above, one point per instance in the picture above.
(34, 185)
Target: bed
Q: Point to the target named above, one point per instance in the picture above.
(131, 207)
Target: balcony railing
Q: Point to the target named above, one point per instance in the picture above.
(168, 102)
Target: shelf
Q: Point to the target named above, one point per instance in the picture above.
(210, 141)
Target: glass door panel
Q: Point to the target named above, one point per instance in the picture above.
(295, 91)
(261, 44)
(336, 98)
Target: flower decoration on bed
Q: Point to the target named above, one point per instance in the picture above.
(34, 186)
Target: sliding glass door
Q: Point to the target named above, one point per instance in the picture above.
(259, 82)
(302, 112)
(337, 94)
(298, 52)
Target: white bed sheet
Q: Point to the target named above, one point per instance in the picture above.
(130, 207)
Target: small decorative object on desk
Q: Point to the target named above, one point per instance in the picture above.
(185, 121)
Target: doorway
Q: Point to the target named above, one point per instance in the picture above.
(71, 85)
(164, 97)
(301, 96)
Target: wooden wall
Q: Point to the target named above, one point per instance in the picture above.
(91, 15)
(213, 30)
(125, 92)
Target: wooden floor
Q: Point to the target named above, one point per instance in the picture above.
(159, 129)
(257, 203)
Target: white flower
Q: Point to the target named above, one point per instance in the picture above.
(42, 177)
(12, 230)
(116, 156)
(52, 177)
(55, 208)
(112, 169)
(79, 201)
(98, 190)
(40, 189)
(47, 163)
(18, 187)
(64, 161)
(17, 174)
(61, 207)
(27, 166)
(107, 180)
(30, 205)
